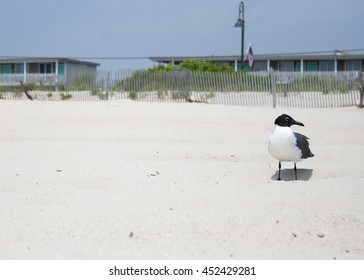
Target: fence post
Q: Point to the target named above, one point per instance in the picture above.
(274, 89)
(189, 86)
(109, 84)
(25, 89)
(361, 89)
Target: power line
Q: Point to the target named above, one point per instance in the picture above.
(275, 54)
(83, 57)
(317, 52)
(112, 57)
(148, 57)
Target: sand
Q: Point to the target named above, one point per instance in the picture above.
(132, 180)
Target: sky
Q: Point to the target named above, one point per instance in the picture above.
(144, 28)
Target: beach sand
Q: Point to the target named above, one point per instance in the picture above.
(129, 180)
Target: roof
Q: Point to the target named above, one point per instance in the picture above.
(263, 57)
(46, 59)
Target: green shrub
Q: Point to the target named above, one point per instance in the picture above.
(194, 65)
(65, 96)
(133, 95)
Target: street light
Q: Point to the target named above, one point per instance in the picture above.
(241, 23)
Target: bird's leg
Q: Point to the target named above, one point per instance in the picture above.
(279, 171)
(295, 171)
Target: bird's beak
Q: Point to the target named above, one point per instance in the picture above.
(298, 123)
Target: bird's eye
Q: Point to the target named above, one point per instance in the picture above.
(287, 119)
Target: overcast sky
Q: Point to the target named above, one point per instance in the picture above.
(143, 28)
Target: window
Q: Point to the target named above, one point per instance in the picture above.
(19, 68)
(327, 66)
(45, 68)
(311, 66)
(298, 66)
(33, 68)
(353, 65)
(260, 66)
(286, 66)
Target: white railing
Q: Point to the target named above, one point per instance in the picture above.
(37, 79)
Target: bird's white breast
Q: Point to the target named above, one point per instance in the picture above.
(282, 145)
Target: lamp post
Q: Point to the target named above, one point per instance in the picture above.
(241, 23)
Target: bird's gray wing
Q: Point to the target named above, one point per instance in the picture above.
(303, 145)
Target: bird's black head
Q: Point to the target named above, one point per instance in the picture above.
(285, 120)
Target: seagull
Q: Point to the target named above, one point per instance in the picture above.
(286, 145)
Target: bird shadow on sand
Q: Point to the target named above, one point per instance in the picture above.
(287, 174)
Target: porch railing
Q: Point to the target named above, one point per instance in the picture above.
(37, 79)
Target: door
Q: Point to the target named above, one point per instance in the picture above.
(60, 69)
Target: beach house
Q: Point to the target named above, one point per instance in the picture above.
(47, 70)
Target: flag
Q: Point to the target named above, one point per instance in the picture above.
(249, 56)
